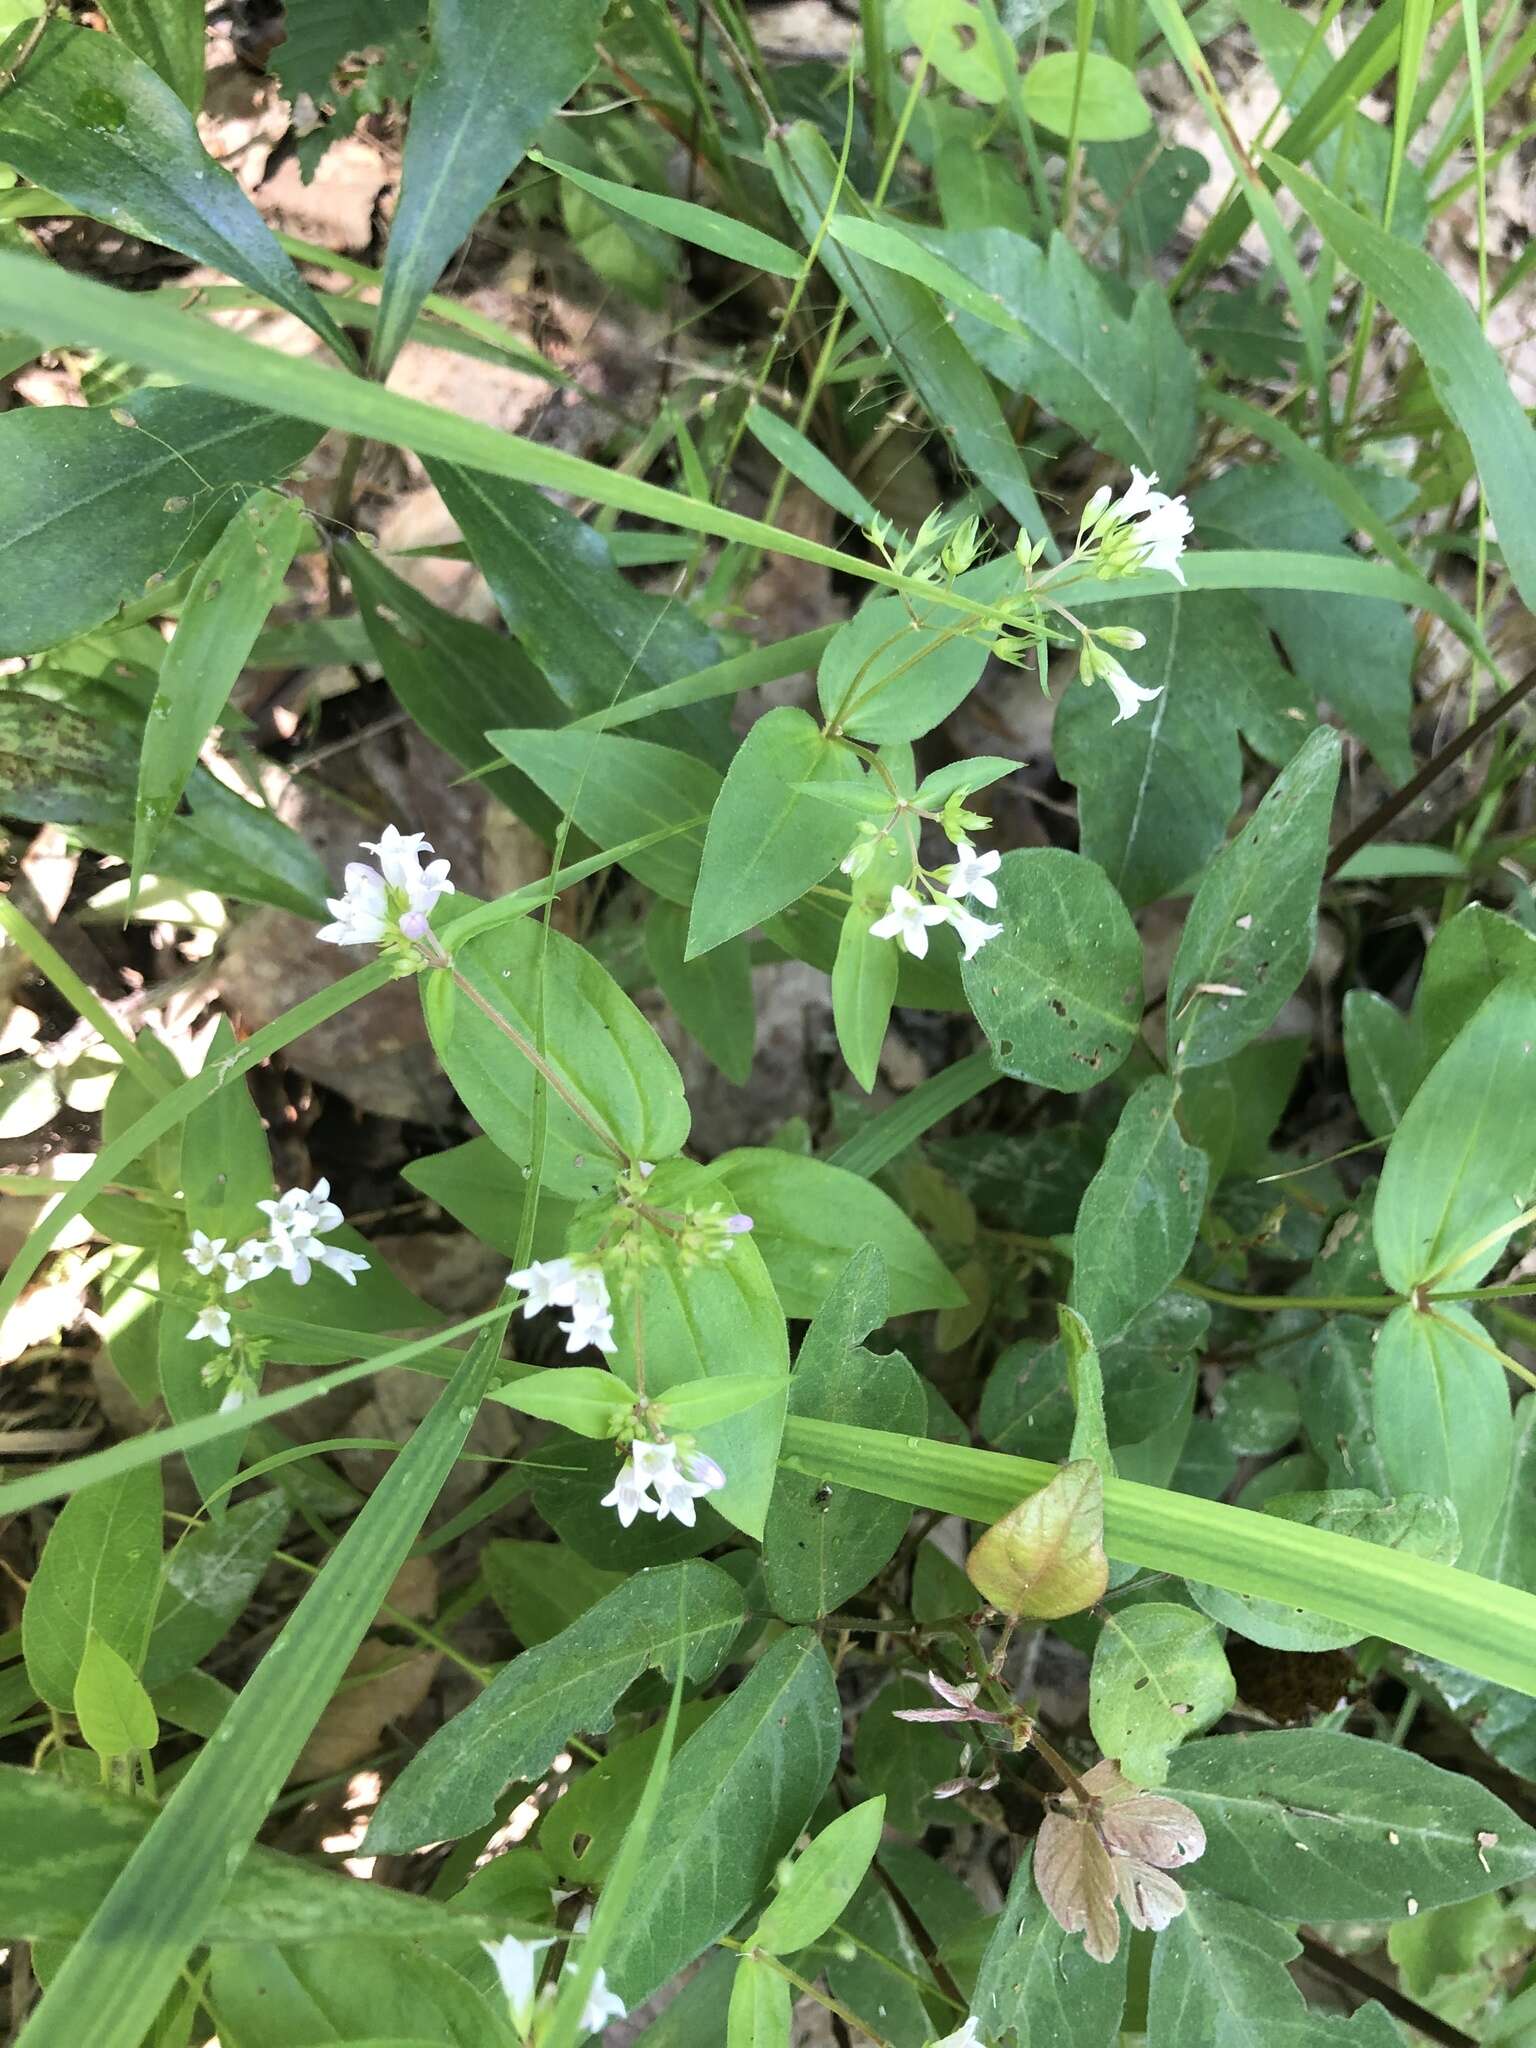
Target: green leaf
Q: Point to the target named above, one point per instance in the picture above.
(823, 1542)
(113, 1709)
(112, 1983)
(456, 679)
(1384, 1057)
(494, 77)
(1462, 1165)
(168, 35)
(821, 1881)
(809, 1217)
(1248, 938)
(66, 1846)
(807, 465)
(85, 119)
(582, 1398)
(484, 1190)
(1440, 1404)
(947, 36)
(236, 585)
(1336, 1402)
(293, 1997)
(1219, 1965)
(594, 637)
(99, 1573)
(95, 510)
(1159, 1676)
(762, 2007)
(751, 1775)
(1125, 382)
(570, 1683)
(864, 978)
(1026, 1405)
(225, 1168)
(734, 239)
(888, 675)
(1106, 103)
(1471, 955)
(767, 844)
(1350, 650)
(542, 1587)
(1138, 1220)
(1379, 1826)
(1040, 1981)
(209, 1579)
(908, 322)
(616, 789)
(711, 997)
(605, 1056)
(1058, 993)
(1466, 372)
(1156, 795)
(903, 1761)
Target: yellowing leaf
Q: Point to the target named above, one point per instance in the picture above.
(1045, 1558)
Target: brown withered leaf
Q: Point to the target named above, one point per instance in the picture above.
(1045, 1558)
(1148, 1825)
(1076, 1879)
(1151, 1898)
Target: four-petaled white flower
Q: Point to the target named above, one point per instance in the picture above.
(561, 1283)
(397, 897)
(973, 932)
(1129, 695)
(211, 1322)
(337, 1259)
(909, 920)
(969, 875)
(517, 1968)
(205, 1254)
(303, 1212)
(602, 2004)
(679, 1478)
(253, 1259)
(963, 2037)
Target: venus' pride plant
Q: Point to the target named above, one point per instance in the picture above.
(1020, 1537)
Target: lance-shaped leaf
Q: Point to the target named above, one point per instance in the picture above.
(1440, 1405)
(86, 119)
(99, 1574)
(168, 35)
(236, 585)
(495, 76)
(1045, 1558)
(570, 1683)
(1249, 934)
(1137, 1223)
(821, 1881)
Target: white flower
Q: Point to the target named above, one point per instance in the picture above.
(304, 1212)
(1129, 695)
(337, 1259)
(561, 1283)
(547, 1283)
(1165, 523)
(602, 2004)
(679, 1479)
(908, 919)
(969, 874)
(397, 896)
(211, 1322)
(517, 1966)
(235, 1398)
(974, 932)
(202, 1255)
(590, 1325)
(963, 2037)
(292, 1254)
(253, 1259)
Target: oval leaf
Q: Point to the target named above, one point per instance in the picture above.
(1045, 1558)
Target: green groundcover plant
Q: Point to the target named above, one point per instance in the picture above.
(1049, 1558)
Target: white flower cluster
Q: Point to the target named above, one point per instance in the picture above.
(910, 918)
(679, 1477)
(562, 1283)
(517, 1967)
(393, 900)
(1141, 529)
(292, 1245)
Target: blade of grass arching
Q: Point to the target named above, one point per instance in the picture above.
(115, 1977)
(1261, 201)
(619, 1887)
(1006, 58)
(173, 1108)
(706, 229)
(1471, 32)
(39, 299)
(1337, 485)
(886, 1136)
(1410, 55)
(1455, 1616)
(422, 1353)
(54, 968)
(1467, 375)
(1501, 73)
